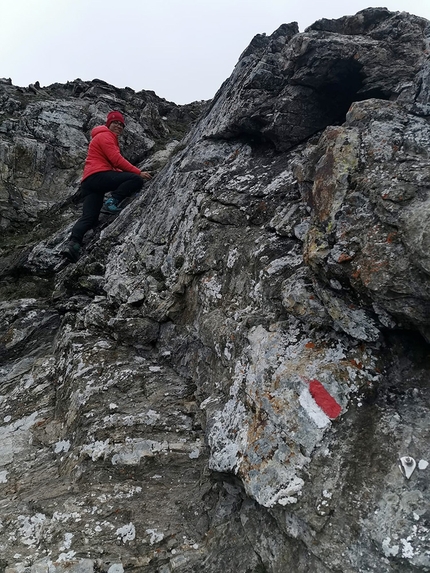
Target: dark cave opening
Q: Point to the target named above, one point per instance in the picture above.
(345, 84)
(409, 345)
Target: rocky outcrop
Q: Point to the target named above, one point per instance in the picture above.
(231, 377)
(44, 134)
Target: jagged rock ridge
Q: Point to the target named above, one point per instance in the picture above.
(165, 399)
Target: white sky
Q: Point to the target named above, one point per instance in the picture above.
(181, 49)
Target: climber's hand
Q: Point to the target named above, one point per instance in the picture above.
(145, 175)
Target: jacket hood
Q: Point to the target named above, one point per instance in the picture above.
(100, 129)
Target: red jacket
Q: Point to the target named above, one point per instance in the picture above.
(104, 154)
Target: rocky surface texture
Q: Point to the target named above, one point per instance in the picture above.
(44, 134)
(228, 378)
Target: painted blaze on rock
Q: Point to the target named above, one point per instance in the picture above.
(277, 414)
(324, 399)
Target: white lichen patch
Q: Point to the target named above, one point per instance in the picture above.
(96, 449)
(30, 528)
(132, 491)
(150, 418)
(287, 495)
(62, 446)
(228, 351)
(15, 437)
(388, 549)
(232, 257)
(155, 536)
(211, 291)
(65, 517)
(155, 368)
(398, 526)
(67, 541)
(65, 557)
(3, 476)
(228, 436)
(134, 450)
(276, 266)
(126, 533)
(407, 549)
(195, 452)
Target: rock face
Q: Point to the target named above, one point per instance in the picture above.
(44, 134)
(234, 376)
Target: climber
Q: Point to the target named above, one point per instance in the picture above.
(105, 170)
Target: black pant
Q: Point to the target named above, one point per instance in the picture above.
(119, 183)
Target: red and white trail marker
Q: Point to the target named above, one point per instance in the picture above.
(324, 399)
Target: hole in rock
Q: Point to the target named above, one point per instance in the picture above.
(346, 83)
(410, 346)
(407, 363)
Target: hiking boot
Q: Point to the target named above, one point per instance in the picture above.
(71, 251)
(111, 206)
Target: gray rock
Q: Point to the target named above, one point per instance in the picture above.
(229, 376)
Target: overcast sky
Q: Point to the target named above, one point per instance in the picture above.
(181, 49)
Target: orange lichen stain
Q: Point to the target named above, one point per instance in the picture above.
(310, 345)
(373, 269)
(391, 237)
(344, 376)
(256, 429)
(356, 274)
(233, 155)
(344, 258)
(356, 364)
(262, 206)
(277, 404)
(260, 424)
